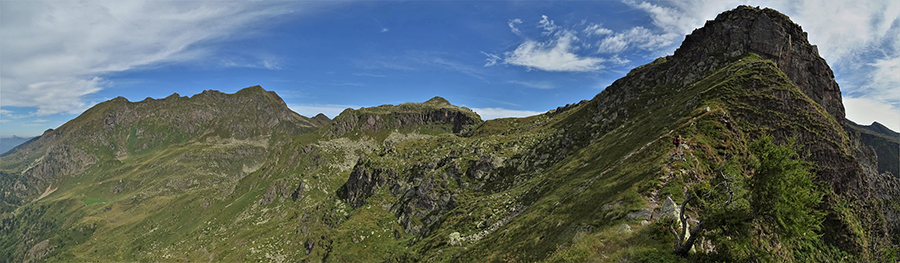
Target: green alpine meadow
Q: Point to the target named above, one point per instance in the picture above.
(768, 170)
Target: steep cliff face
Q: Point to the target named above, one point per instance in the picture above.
(884, 142)
(876, 151)
(771, 35)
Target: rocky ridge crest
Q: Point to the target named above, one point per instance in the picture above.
(773, 36)
(118, 128)
(436, 111)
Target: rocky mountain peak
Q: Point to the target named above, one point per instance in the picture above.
(322, 117)
(773, 36)
(434, 112)
(880, 128)
(438, 101)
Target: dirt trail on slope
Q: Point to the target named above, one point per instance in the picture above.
(47, 192)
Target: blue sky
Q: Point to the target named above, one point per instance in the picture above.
(500, 58)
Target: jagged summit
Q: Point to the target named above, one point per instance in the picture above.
(773, 36)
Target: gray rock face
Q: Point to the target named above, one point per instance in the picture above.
(423, 194)
(773, 36)
(885, 187)
(39, 250)
(480, 169)
(363, 182)
(641, 214)
(670, 210)
(400, 118)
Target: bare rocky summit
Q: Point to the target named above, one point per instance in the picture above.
(771, 35)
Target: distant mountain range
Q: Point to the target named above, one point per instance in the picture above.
(7, 144)
(768, 170)
(884, 142)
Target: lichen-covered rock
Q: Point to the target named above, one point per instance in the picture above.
(670, 210)
(624, 229)
(455, 239)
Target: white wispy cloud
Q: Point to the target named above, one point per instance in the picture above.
(492, 59)
(637, 36)
(553, 55)
(56, 52)
(311, 110)
(512, 26)
(533, 84)
(366, 74)
(595, 29)
(575, 48)
(495, 113)
(548, 25)
(380, 25)
(5, 113)
(262, 63)
(886, 78)
(417, 60)
(682, 17)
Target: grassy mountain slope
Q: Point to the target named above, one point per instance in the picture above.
(433, 182)
(120, 162)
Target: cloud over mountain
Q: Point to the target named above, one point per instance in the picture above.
(56, 53)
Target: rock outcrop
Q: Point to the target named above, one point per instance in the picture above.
(885, 143)
(436, 111)
(364, 181)
(772, 35)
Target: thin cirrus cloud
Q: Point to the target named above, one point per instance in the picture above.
(56, 53)
(417, 60)
(533, 84)
(262, 64)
